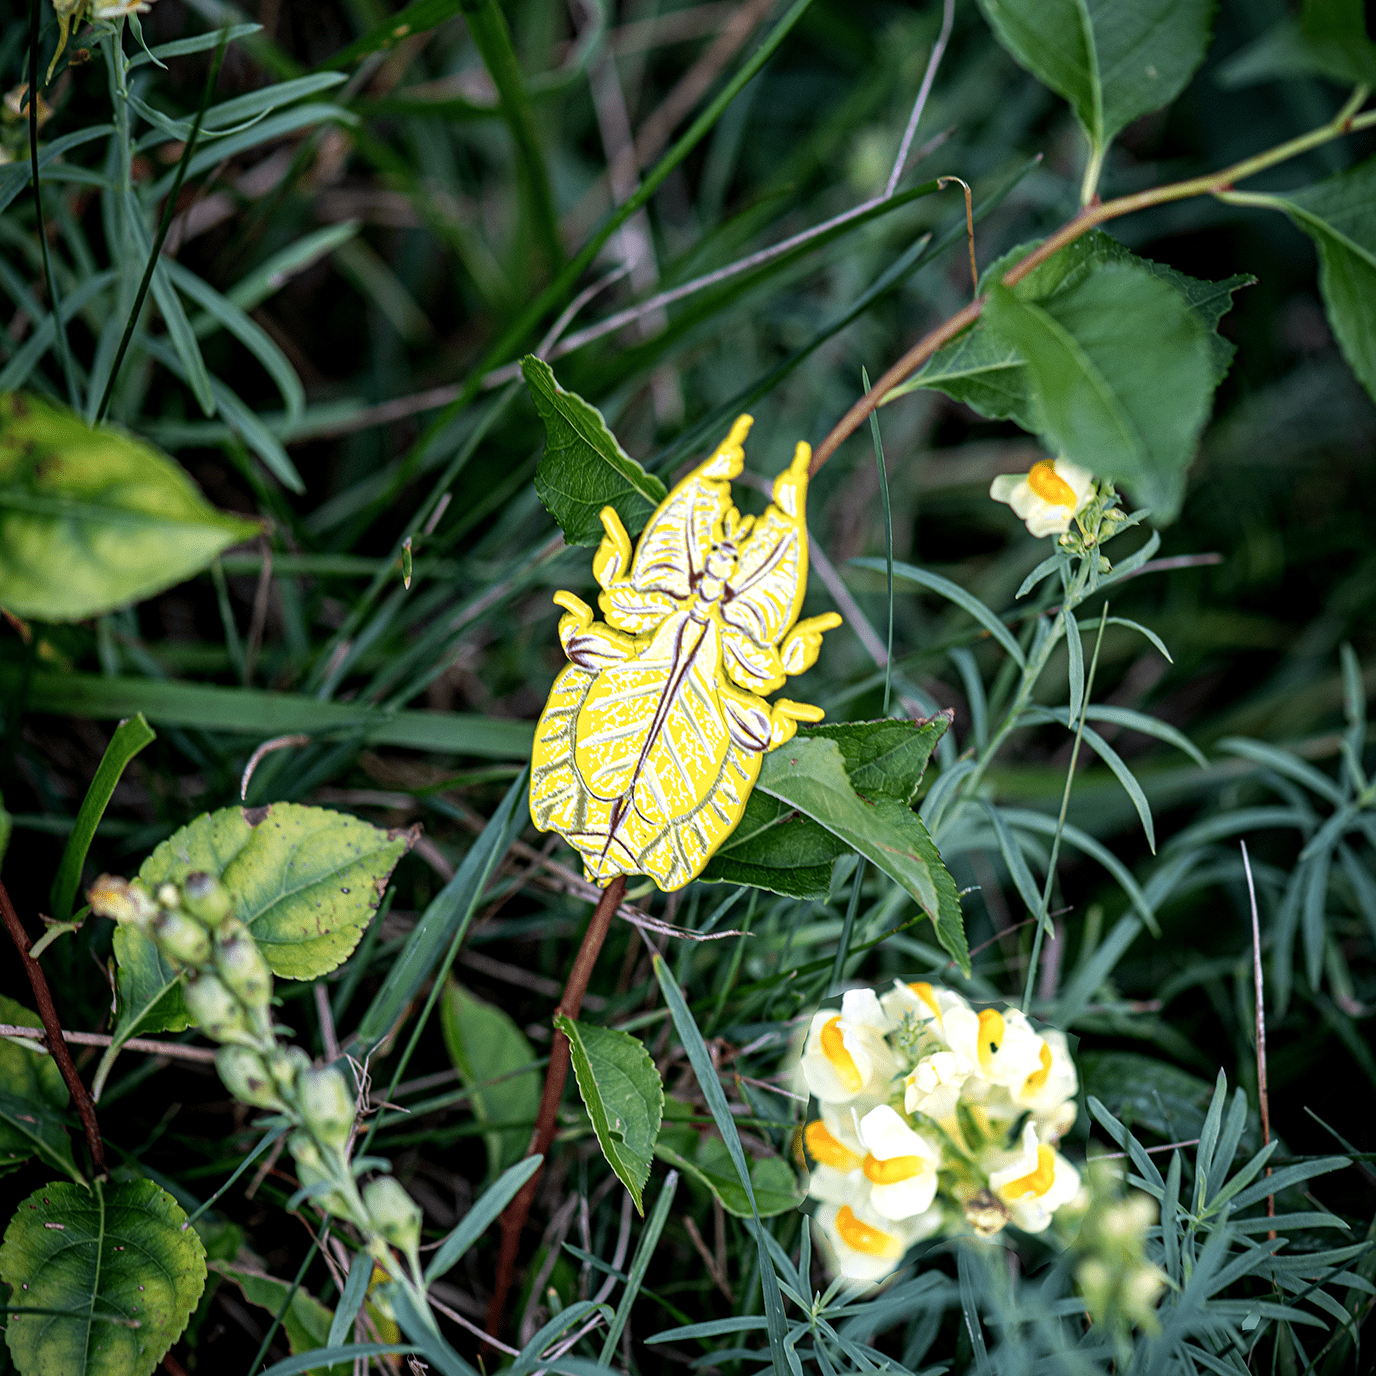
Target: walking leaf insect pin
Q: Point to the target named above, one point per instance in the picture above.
(654, 732)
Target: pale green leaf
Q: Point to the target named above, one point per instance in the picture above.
(584, 467)
(623, 1095)
(810, 775)
(485, 1045)
(306, 1322)
(33, 1100)
(91, 520)
(112, 1256)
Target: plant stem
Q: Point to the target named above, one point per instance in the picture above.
(57, 1046)
(1346, 121)
(513, 1219)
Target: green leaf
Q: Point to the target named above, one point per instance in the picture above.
(885, 757)
(584, 467)
(1113, 60)
(307, 1321)
(1337, 215)
(1119, 408)
(1330, 40)
(305, 880)
(91, 520)
(416, 18)
(809, 774)
(130, 737)
(33, 1100)
(149, 996)
(623, 1095)
(113, 1256)
(485, 1044)
(704, 1157)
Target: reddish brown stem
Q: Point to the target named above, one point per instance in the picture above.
(513, 1219)
(57, 1045)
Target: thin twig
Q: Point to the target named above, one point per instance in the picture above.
(57, 1044)
(943, 183)
(267, 747)
(1259, 990)
(260, 613)
(174, 1049)
(923, 91)
(513, 1219)
(1151, 1151)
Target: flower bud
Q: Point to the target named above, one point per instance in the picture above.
(326, 1105)
(206, 899)
(215, 1010)
(127, 903)
(246, 1077)
(181, 939)
(285, 1063)
(169, 896)
(240, 963)
(394, 1213)
(312, 1170)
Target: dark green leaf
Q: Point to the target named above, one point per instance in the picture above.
(885, 757)
(1111, 405)
(623, 1095)
(90, 519)
(584, 468)
(33, 1099)
(485, 1044)
(810, 775)
(1330, 39)
(416, 18)
(306, 1322)
(149, 996)
(1113, 60)
(116, 1254)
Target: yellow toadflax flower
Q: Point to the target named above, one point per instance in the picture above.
(1049, 497)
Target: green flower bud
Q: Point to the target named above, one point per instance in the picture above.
(246, 1077)
(169, 896)
(206, 899)
(240, 963)
(326, 1105)
(394, 1213)
(181, 939)
(312, 1170)
(127, 903)
(285, 1063)
(215, 1010)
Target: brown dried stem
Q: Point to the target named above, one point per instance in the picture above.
(513, 1219)
(57, 1045)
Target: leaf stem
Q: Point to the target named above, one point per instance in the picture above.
(513, 1219)
(57, 1045)
(1346, 121)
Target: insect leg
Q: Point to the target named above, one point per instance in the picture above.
(803, 643)
(784, 719)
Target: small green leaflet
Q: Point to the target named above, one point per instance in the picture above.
(623, 1095)
(114, 1256)
(584, 467)
(91, 520)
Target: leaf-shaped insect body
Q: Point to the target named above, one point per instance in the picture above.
(653, 734)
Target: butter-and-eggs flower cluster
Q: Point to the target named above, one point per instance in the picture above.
(934, 1117)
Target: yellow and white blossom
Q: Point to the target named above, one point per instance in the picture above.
(1049, 1091)
(900, 1164)
(846, 1057)
(1003, 1046)
(1033, 1181)
(933, 1085)
(859, 1243)
(837, 1155)
(1049, 497)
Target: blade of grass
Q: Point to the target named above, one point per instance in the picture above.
(883, 472)
(640, 1263)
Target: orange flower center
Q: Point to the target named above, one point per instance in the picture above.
(1036, 1081)
(1035, 1182)
(826, 1150)
(834, 1049)
(860, 1237)
(894, 1170)
(924, 992)
(990, 1037)
(1049, 485)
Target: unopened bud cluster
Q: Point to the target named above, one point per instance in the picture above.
(228, 989)
(935, 1118)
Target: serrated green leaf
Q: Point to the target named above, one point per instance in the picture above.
(809, 774)
(584, 467)
(485, 1044)
(306, 1322)
(33, 1099)
(305, 880)
(114, 1255)
(1113, 60)
(622, 1092)
(1109, 404)
(91, 520)
(1337, 215)
(704, 1158)
(886, 757)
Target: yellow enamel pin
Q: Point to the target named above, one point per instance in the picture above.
(654, 732)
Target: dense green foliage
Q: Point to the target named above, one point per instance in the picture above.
(438, 285)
